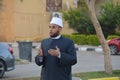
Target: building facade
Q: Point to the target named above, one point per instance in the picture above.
(7, 20)
(28, 19)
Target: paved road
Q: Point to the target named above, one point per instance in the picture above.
(87, 61)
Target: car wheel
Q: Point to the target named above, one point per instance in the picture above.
(113, 49)
(2, 69)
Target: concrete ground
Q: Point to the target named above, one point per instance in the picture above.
(87, 61)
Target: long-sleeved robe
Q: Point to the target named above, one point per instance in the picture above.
(53, 67)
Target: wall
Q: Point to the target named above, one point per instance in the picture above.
(116, 1)
(7, 21)
(32, 20)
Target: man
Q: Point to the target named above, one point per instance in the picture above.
(57, 54)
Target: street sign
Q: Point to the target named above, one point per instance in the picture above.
(53, 5)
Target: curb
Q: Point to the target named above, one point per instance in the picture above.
(95, 49)
(109, 78)
(90, 49)
(76, 78)
(81, 49)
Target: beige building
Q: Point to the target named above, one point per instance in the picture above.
(7, 32)
(116, 1)
(27, 19)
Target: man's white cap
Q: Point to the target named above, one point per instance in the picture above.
(57, 21)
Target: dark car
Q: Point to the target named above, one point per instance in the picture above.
(114, 45)
(6, 58)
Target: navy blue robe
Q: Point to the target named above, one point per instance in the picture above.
(54, 68)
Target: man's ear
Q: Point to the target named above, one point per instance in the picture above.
(60, 28)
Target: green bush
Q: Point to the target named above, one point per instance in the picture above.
(93, 40)
(79, 39)
(112, 36)
(84, 39)
(66, 35)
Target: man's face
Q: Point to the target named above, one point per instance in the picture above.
(54, 30)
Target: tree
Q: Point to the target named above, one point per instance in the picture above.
(97, 26)
(117, 17)
(78, 19)
(107, 18)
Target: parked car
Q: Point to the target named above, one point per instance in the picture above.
(114, 45)
(6, 58)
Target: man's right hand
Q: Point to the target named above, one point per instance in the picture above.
(40, 52)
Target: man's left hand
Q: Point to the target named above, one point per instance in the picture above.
(54, 52)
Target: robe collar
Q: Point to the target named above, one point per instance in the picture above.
(57, 37)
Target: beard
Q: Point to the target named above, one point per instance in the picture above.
(55, 34)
